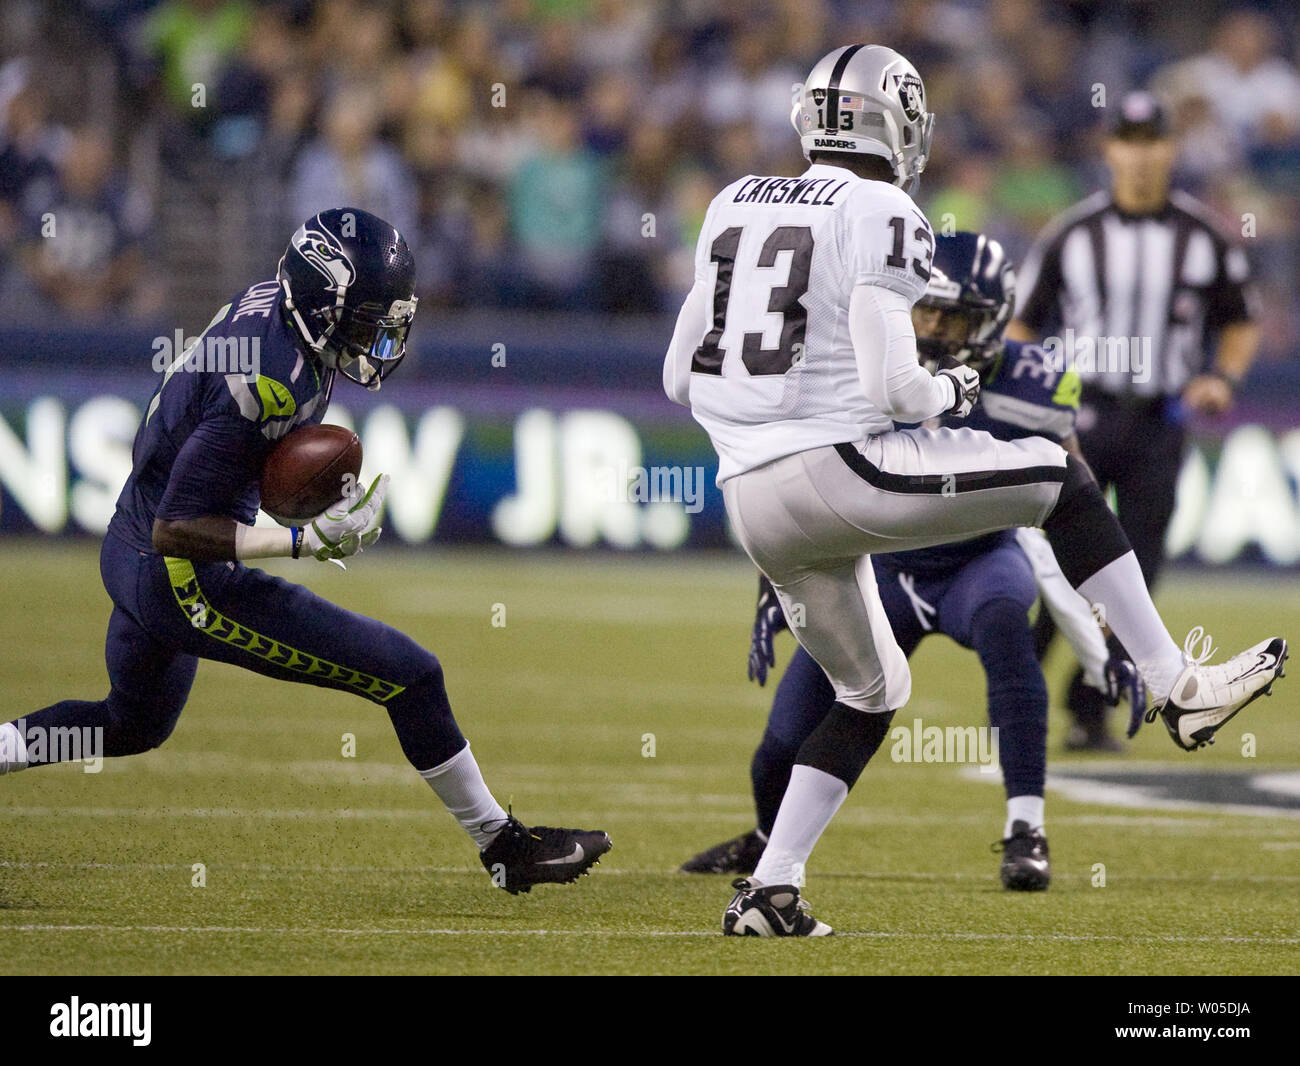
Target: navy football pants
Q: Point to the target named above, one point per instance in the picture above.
(984, 605)
(169, 613)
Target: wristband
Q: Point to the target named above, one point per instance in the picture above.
(298, 535)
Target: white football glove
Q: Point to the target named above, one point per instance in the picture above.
(966, 384)
(348, 526)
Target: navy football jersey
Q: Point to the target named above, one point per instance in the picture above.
(1022, 396)
(221, 406)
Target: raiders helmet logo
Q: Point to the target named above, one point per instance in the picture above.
(911, 94)
(819, 97)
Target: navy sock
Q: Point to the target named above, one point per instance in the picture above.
(1017, 694)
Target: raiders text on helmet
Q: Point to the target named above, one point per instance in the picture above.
(869, 100)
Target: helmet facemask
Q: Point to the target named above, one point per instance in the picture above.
(949, 332)
(365, 346)
(967, 303)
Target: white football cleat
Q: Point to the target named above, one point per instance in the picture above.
(769, 910)
(1204, 698)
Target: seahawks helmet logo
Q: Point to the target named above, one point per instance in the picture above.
(322, 250)
(911, 94)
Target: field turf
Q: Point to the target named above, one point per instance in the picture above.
(317, 863)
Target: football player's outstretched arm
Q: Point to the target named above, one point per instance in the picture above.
(884, 342)
(692, 325)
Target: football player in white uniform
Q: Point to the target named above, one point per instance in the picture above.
(795, 350)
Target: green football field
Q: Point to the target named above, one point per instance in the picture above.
(613, 697)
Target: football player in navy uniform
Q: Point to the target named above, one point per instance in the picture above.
(174, 558)
(978, 591)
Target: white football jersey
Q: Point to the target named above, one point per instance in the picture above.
(776, 372)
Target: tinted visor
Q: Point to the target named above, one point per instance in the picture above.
(370, 346)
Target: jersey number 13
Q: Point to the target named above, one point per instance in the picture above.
(785, 300)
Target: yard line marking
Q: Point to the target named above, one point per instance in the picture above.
(617, 812)
(299, 931)
(614, 871)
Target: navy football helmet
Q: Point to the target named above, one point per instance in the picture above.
(348, 280)
(967, 303)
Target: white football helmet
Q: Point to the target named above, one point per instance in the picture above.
(866, 99)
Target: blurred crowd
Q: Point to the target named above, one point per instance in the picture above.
(559, 154)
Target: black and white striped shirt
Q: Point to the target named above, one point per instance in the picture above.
(1131, 300)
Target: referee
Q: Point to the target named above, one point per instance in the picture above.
(1137, 286)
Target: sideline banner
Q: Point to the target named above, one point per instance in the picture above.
(543, 465)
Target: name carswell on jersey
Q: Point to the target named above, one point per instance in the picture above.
(1022, 396)
(798, 385)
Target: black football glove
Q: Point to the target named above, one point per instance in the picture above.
(769, 620)
(1123, 682)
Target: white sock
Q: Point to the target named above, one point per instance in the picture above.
(13, 749)
(1120, 589)
(459, 784)
(811, 800)
(1024, 809)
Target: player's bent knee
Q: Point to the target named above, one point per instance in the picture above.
(422, 719)
(1083, 531)
(134, 727)
(1001, 625)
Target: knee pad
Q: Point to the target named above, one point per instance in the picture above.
(1084, 533)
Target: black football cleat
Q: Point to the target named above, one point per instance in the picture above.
(1024, 859)
(769, 910)
(739, 855)
(521, 857)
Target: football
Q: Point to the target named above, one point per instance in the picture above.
(309, 470)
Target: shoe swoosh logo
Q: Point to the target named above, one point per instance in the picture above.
(574, 856)
(787, 926)
(1263, 661)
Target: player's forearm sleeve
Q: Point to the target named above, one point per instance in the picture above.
(253, 543)
(880, 327)
(692, 325)
(1070, 611)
